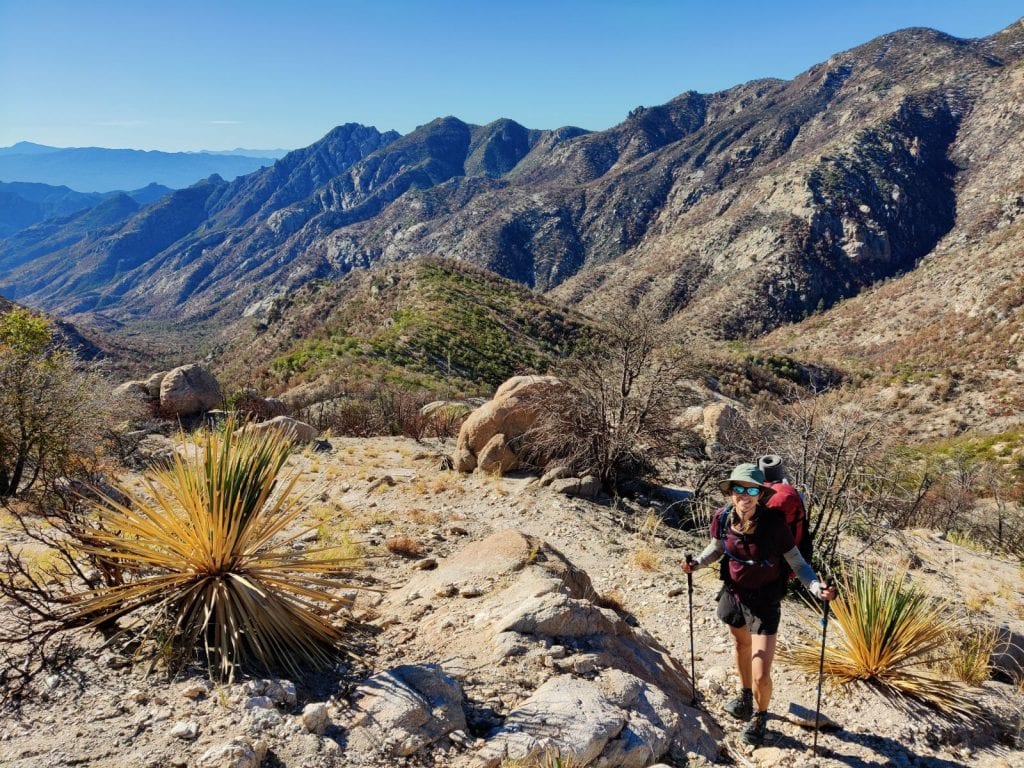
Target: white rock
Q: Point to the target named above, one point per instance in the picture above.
(259, 702)
(186, 731)
(233, 754)
(315, 718)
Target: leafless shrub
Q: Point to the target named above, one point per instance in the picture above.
(838, 454)
(613, 418)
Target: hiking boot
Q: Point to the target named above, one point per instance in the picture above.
(756, 729)
(742, 707)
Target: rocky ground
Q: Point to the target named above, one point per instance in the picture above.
(516, 627)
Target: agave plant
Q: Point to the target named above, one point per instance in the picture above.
(207, 562)
(890, 633)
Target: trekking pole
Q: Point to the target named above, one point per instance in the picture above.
(821, 672)
(689, 600)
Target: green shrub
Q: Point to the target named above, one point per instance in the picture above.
(51, 412)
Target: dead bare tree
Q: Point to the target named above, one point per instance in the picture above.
(613, 419)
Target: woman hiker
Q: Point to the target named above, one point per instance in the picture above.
(755, 541)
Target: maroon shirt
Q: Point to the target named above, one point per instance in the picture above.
(764, 547)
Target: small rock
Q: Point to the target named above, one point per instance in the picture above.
(456, 530)
(471, 591)
(281, 692)
(234, 754)
(196, 690)
(314, 718)
(186, 731)
(584, 664)
(426, 564)
(446, 590)
(259, 702)
(263, 719)
(803, 716)
(768, 756)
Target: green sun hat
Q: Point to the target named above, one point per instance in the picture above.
(748, 474)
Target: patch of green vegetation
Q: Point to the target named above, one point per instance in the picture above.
(971, 448)
(783, 366)
(444, 325)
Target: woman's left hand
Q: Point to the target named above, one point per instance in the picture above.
(828, 593)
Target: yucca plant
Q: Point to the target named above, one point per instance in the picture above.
(889, 632)
(207, 563)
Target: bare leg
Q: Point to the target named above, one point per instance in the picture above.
(741, 637)
(762, 652)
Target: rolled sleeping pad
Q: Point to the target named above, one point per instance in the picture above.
(771, 465)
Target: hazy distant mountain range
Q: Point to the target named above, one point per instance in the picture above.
(23, 204)
(733, 213)
(95, 169)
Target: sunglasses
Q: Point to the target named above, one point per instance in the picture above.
(742, 489)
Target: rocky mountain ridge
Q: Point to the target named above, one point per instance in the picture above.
(801, 192)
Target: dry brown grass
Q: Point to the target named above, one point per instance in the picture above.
(406, 546)
(612, 599)
(423, 516)
(646, 559)
(971, 652)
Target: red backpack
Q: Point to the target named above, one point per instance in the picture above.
(788, 501)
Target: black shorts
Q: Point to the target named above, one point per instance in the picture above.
(760, 616)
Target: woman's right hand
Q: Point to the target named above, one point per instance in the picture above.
(688, 565)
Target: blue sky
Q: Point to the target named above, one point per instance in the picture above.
(220, 74)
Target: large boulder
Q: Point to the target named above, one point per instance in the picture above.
(723, 426)
(154, 382)
(188, 390)
(131, 390)
(497, 457)
(511, 412)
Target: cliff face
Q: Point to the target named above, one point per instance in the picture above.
(736, 211)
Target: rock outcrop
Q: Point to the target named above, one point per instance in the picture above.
(296, 431)
(603, 689)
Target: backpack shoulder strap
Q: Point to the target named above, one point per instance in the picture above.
(723, 530)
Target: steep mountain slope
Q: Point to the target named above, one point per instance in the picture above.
(792, 195)
(954, 323)
(85, 270)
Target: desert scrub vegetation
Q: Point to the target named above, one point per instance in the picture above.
(52, 413)
(200, 567)
(440, 326)
(888, 634)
